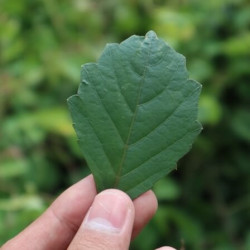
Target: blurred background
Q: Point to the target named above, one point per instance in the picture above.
(43, 43)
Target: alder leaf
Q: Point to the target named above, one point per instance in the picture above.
(135, 113)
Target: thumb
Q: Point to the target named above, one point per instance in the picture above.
(108, 223)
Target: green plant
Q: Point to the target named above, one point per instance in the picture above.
(135, 113)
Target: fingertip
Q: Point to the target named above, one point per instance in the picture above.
(148, 199)
(118, 194)
(153, 199)
(145, 207)
(165, 248)
(110, 210)
(108, 223)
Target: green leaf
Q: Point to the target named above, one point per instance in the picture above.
(135, 113)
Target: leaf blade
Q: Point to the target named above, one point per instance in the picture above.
(135, 113)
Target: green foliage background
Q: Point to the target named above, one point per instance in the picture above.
(203, 205)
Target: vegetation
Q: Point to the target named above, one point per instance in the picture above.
(203, 205)
(154, 122)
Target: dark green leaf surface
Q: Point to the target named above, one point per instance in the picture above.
(135, 113)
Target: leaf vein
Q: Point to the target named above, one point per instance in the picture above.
(117, 82)
(164, 89)
(132, 122)
(105, 108)
(167, 118)
(152, 156)
(94, 131)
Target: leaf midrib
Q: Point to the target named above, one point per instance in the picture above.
(126, 145)
(168, 146)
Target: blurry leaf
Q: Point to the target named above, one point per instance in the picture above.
(12, 168)
(126, 19)
(209, 110)
(135, 113)
(238, 46)
(147, 239)
(247, 243)
(241, 124)
(188, 228)
(11, 47)
(21, 202)
(225, 246)
(242, 18)
(33, 72)
(238, 68)
(166, 189)
(44, 175)
(70, 70)
(54, 120)
(200, 69)
(173, 25)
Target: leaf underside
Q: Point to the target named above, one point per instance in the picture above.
(135, 113)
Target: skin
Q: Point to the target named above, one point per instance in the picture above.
(81, 219)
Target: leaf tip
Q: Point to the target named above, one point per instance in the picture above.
(151, 35)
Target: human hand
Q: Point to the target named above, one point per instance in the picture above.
(82, 219)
